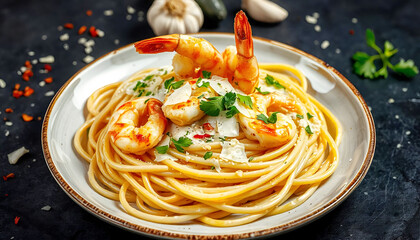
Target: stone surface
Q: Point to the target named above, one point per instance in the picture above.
(384, 206)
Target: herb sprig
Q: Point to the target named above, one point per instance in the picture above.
(364, 64)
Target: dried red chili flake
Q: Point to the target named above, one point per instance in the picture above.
(28, 91)
(8, 110)
(208, 127)
(202, 136)
(10, 175)
(68, 25)
(47, 67)
(17, 220)
(39, 118)
(17, 93)
(17, 86)
(28, 64)
(89, 12)
(6, 195)
(351, 32)
(48, 80)
(27, 74)
(27, 118)
(93, 32)
(82, 30)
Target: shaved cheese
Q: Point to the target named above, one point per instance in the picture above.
(242, 109)
(227, 127)
(216, 165)
(14, 156)
(233, 151)
(221, 85)
(180, 95)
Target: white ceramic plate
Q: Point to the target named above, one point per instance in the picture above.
(65, 115)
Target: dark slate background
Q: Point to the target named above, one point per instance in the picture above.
(384, 206)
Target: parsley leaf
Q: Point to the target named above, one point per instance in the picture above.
(177, 85)
(308, 130)
(148, 77)
(246, 100)
(203, 84)
(271, 81)
(299, 116)
(259, 90)
(364, 64)
(162, 149)
(229, 99)
(271, 119)
(250, 159)
(206, 74)
(181, 142)
(309, 116)
(208, 155)
(231, 112)
(168, 82)
(213, 106)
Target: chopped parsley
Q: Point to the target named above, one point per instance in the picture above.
(148, 93)
(246, 100)
(250, 159)
(200, 83)
(206, 74)
(364, 64)
(168, 82)
(271, 119)
(208, 155)
(202, 95)
(148, 77)
(308, 130)
(231, 112)
(146, 100)
(222, 139)
(162, 149)
(177, 85)
(215, 105)
(272, 82)
(212, 168)
(299, 116)
(181, 143)
(309, 116)
(259, 90)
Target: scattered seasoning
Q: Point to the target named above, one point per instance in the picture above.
(48, 80)
(391, 100)
(100, 33)
(109, 12)
(44, 37)
(88, 50)
(325, 44)
(308, 130)
(317, 28)
(42, 83)
(116, 41)
(47, 59)
(403, 89)
(8, 123)
(49, 93)
(10, 175)
(337, 50)
(89, 12)
(17, 220)
(128, 17)
(64, 37)
(47, 67)
(82, 30)
(407, 133)
(74, 63)
(46, 208)
(354, 20)
(28, 91)
(397, 116)
(31, 53)
(130, 10)
(28, 64)
(2, 83)
(88, 59)
(207, 155)
(92, 31)
(202, 136)
(310, 19)
(8, 110)
(399, 145)
(6, 133)
(27, 118)
(351, 32)
(208, 127)
(34, 61)
(27, 74)
(17, 93)
(68, 25)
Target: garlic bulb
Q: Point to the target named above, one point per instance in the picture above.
(264, 11)
(175, 16)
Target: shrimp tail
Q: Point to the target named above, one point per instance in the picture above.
(167, 43)
(243, 36)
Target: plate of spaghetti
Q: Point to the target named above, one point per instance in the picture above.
(212, 135)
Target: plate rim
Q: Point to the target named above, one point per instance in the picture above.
(307, 218)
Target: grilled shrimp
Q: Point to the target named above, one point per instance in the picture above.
(195, 55)
(240, 63)
(192, 53)
(137, 125)
(187, 112)
(270, 134)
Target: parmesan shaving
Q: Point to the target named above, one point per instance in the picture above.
(233, 151)
(14, 156)
(180, 95)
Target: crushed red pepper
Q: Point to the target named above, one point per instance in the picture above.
(82, 30)
(27, 74)
(26, 117)
(68, 25)
(202, 136)
(17, 93)
(28, 64)
(93, 32)
(351, 32)
(48, 80)
(17, 220)
(10, 175)
(208, 127)
(89, 12)
(47, 67)
(8, 110)
(28, 91)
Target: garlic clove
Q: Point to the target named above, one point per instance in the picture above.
(264, 11)
(191, 23)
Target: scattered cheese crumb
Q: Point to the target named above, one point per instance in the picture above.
(337, 50)
(42, 83)
(60, 28)
(140, 17)
(74, 63)
(14, 156)
(116, 41)
(370, 109)
(2, 83)
(399, 145)
(131, 10)
(391, 100)
(128, 17)
(19, 73)
(354, 20)
(64, 37)
(31, 53)
(325, 44)
(366, 193)
(397, 117)
(32, 104)
(317, 28)
(44, 37)
(407, 132)
(49, 93)
(6, 133)
(46, 208)
(88, 50)
(8, 123)
(100, 33)
(82, 40)
(316, 42)
(47, 59)
(394, 177)
(311, 20)
(23, 69)
(89, 43)
(66, 46)
(109, 12)
(34, 61)
(315, 15)
(43, 71)
(404, 89)
(88, 59)
(34, 160)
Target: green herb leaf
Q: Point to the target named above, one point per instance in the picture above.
(370, 38)
(231, 112)
(406, 68)
(250, 159)
(229, 99)
(308, 130)
(181, 143)
(363, 65)
(202, 95)
(178, 84)
(262, 117)
(299, 116)
(212, 167)
(259, 90)
(271, 81)
(246, 100)
(213, 106)
(271, 119)
(162, 149)
(168, 82)
(206, 74)
(208, 155)
(146, 100)
(309, 116)
(148, 77)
